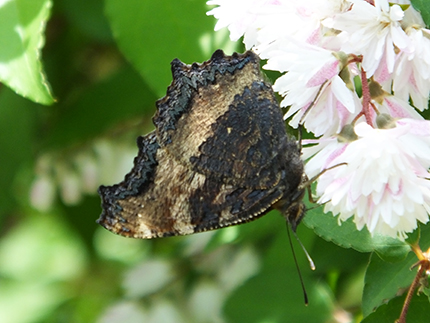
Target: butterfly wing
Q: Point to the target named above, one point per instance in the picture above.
(217, 157)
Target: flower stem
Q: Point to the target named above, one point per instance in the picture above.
(424, 263)
(366, 97)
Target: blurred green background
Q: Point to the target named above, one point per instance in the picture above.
(107, 63)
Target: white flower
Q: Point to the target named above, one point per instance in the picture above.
(385, 183)
(43, 188)
(374, 32)
(263, 21)
(88, 171)
(80, 172)
(412, 71)
(69, 184)
(310, 68)
(298, 20)
(42, 193)
(239, 16)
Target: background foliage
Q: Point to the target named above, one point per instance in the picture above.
(107, 62)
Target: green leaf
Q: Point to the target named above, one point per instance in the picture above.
(424, 236)
(17, 123)
(426, 290)
(389, 249)
(275, 294)
(152, 33)
(414, 237)
(88, 17)
(423, 7)
(347, 259)
(388, 313)
(22, 23)
(346, 235)
(120, 98)
(384, 280)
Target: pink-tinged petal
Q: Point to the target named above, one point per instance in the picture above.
(332, 157)
(418, 127)
(343, 94)
(400, 109)
(382, 75)
(327, 72)
(314, 38)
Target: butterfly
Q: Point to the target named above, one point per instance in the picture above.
(219, 156)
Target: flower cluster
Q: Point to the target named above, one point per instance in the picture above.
(75, 173)
(355, 74)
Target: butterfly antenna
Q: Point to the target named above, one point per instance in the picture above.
(311, 262)
(302, 119)
(320, 90)
(297, 266)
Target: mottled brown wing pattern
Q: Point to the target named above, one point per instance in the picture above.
(219, 155)
(174, 200)
(231, 125)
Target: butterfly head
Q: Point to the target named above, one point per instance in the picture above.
(291, 205)
(295, 213)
